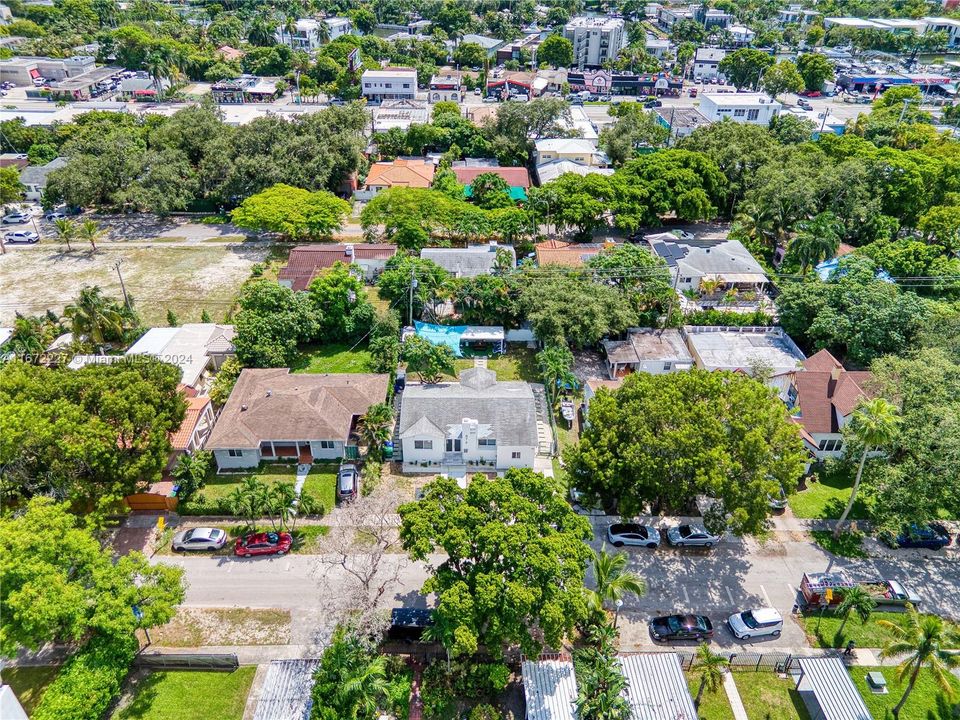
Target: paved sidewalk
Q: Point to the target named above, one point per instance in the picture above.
(733, 695)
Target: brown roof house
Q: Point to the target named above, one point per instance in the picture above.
(822, 398)
(559, 252)
(400, 173)
(274, 415)
(308, 261)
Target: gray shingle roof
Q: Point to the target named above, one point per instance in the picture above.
(37, 174)
(466, 262)
(508, 407)
(705, 257)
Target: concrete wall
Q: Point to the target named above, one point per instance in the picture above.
(505, 461)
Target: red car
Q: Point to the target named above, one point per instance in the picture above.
(269, 543)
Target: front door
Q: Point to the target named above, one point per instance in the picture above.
(453, 444)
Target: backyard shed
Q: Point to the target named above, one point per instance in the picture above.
(656, 687)
(549, 688)
(828, 692)
(286, 690)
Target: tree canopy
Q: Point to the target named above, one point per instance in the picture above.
(292, 212)
(515, 562)
(660, 441)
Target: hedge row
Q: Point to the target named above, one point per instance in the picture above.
(89, 681)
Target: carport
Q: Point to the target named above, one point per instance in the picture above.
(828, 692)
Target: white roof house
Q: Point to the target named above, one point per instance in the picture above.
(192, 347)
(576, 149)
(552, 169)
(469, 261)
(743, 348)
(692, 261)
(656, 687)
(550, 689)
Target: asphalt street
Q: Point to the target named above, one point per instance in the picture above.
(733, 576)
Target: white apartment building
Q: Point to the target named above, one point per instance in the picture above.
(706, 63)
(795, 14)
(595, 39)
(951, 26)
(306, 33)
(391, 83)
(754, 108)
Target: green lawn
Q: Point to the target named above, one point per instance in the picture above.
(926, 702)
(713, 706)
(321, 483)
(768, 697)
(827, 497)
(515, 364)
(865, 635)
(332, 358)
(28, 683)
(190, 696)
(849, 544)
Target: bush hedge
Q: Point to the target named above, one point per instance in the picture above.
(89, 681)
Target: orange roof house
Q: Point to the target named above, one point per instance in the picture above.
(400, 173)
(558, 252)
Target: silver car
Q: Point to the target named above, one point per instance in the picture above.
(200, 539)
(348, 482)
(691, 535)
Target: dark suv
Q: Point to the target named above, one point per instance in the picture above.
(928, 537)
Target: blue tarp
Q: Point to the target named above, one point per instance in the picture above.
(828, 268)
(448, 335)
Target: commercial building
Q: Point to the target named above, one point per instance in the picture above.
(706, 64)
(24, 70)
(602, 81)
(245, 89)
(754, 108)
(595, 39)
(446, 88)
(950, 26)
(390, 83)
(527, 45)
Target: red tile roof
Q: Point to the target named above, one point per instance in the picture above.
(513, 176)
(195, 407)
(306, 261)
(826, 392)
(401, 173)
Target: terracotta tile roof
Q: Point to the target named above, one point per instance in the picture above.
(513, 176)
(306, 261)
(195, 407)
(401, 173)
(557, 252)
(826, 392)
(272, 404)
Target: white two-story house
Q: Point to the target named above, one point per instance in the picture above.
(477, 422)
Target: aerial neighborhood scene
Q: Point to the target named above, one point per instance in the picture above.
(479, 360)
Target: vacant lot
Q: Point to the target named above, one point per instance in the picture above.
(189, 696)
(185, 278)
(193, 627)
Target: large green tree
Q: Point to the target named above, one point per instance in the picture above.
(272, 322)
(744, 68)
(660, 441)
(557, 51)
(341, 303)
(429, 280)
(60, 585)
(292, 212)
(815, 69)
(515, 557)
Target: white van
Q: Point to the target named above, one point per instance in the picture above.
(756, 623)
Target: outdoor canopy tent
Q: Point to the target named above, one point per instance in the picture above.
(454, 335)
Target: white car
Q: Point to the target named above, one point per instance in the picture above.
(15, 218)
(620, 534)
(200, 539)
(684, 235)
(26, 237)
(756, 623)
(691, 535)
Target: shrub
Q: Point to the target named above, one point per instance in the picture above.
(89, 681)
(485, 712)
(727, 317)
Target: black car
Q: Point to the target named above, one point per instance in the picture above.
(929, 537)
(681, 627)
(409, 623)
(653, 104)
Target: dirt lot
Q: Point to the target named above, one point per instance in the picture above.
(184, 278)
(193, 627)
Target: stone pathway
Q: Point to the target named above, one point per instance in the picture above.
(733, 695)
(302, 471)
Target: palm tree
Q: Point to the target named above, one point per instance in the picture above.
(924, 640)
(612, 578)
(711, 667)
(322, 32)
(158, 67)
(375, 426)
(874, 424)
(817, 240)
(361, 679)
(289, 26)
(855, 600)
(708, 286)
(90, 232)
(263, 31)
(94, 316)
(66, 232)
(754, 223)
(601, 686)
(556, 368)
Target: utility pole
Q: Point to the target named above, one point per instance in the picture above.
(413, 284)
(123, 288)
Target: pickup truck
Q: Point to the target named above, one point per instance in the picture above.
(891, 592)
(820, 589)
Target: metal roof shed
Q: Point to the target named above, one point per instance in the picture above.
(286, 690)
(828, 692)
(550, 689)
(656, 687)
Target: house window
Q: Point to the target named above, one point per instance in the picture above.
(406, 86)
(831, 445)
(515, 455)
(487, 442)
(739, 113)
(327, 444)
(753, 115)
(686, 280)
(667, 366)
(423, 444)
(235, 453)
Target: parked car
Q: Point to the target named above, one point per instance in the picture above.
(652, 103)
(348, 482)
(15, 218)
(684, 235)
(605, 98)
(55, 215)
(268, 543)
(755, 623)
(692, 92)
(476, 91)
(684, 535)
(681, 627)
(26, 237)
(929, 537)
(202, 538)
(620, 534)
(805, 104)
(490, 99)
(778, 500)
